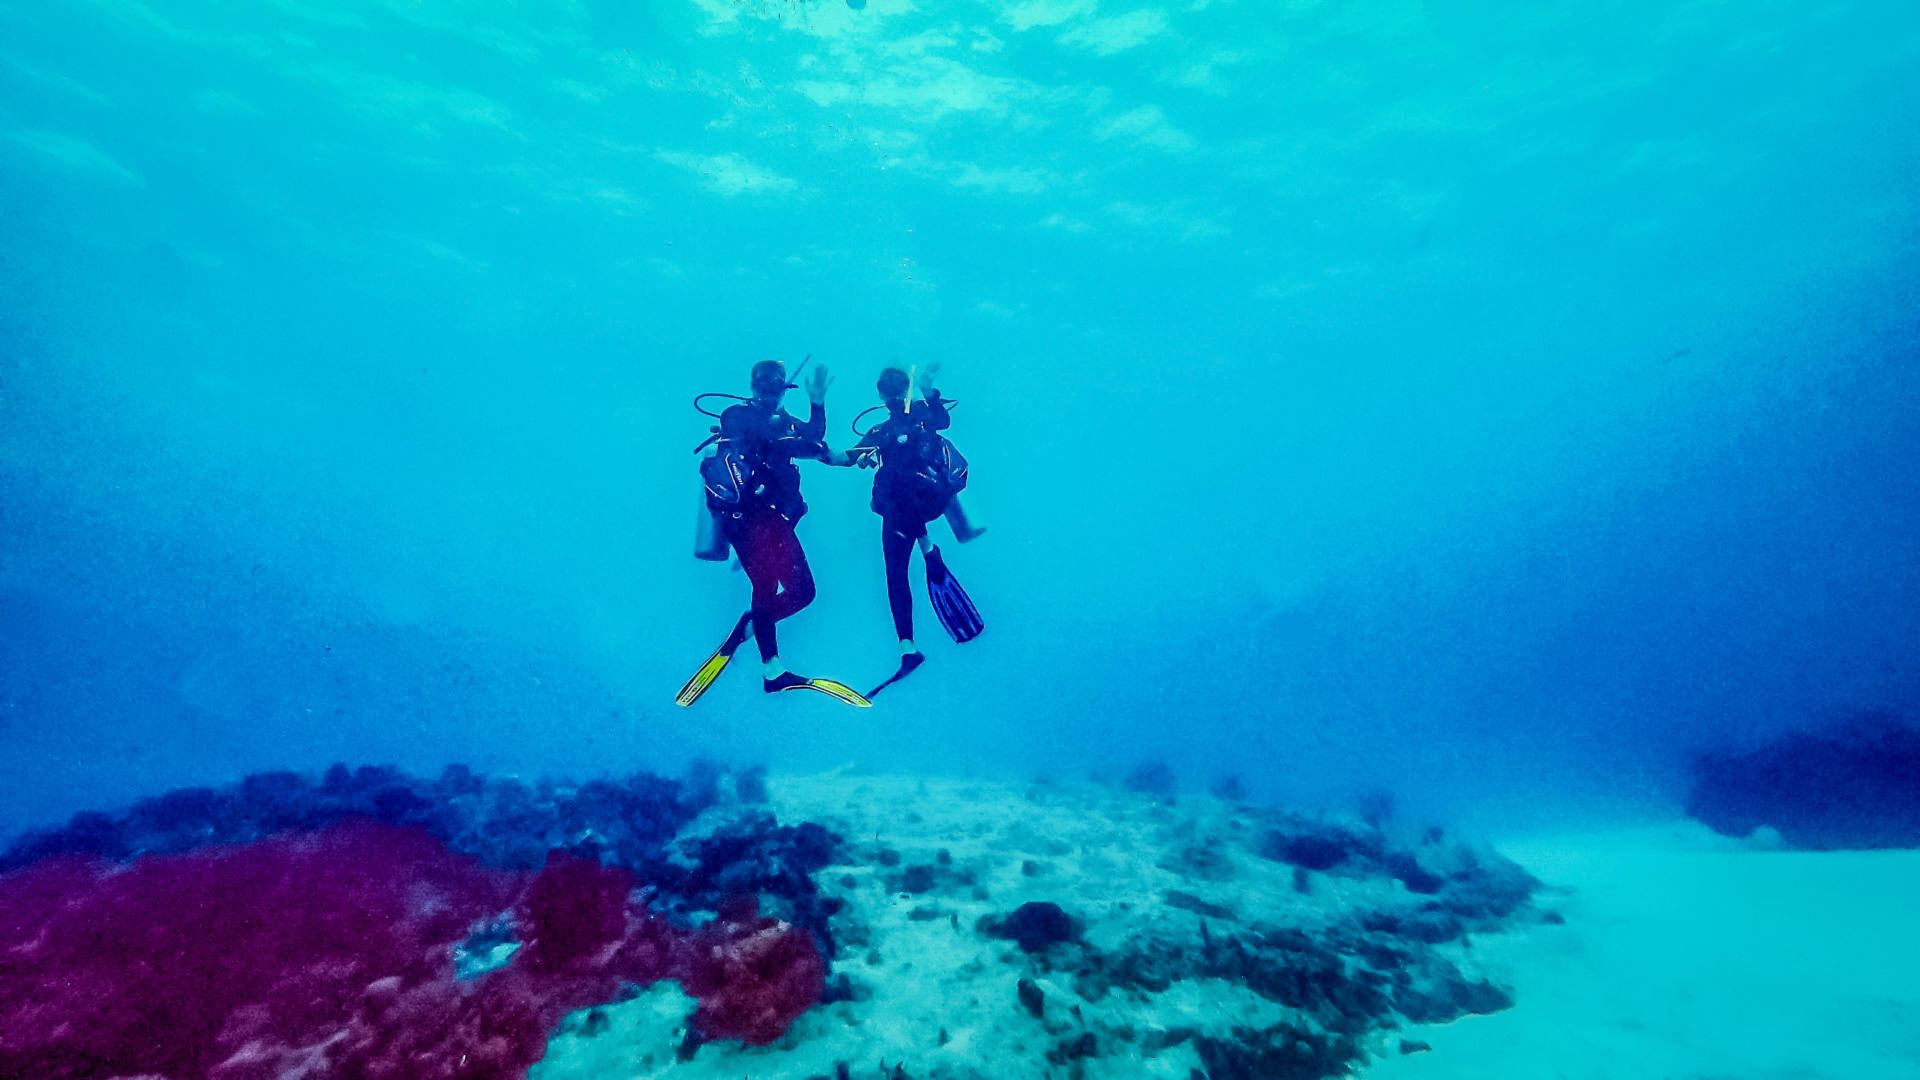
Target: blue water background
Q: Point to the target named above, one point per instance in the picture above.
(1485, 402)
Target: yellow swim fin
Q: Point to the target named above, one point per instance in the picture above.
(842, 691)
(702, 679)
(715, 664)
(829, 687)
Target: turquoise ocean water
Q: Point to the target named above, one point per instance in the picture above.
(1489, 403)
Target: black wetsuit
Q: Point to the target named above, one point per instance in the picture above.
(762, 533)
(905, 506)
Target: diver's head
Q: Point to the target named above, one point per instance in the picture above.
(893, 384)
(769, 380)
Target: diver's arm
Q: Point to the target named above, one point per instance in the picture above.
(816, 426)
(932, 412)
(841, 458)
(865, 453)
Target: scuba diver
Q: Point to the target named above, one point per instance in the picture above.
(919, 476)
(753, 495)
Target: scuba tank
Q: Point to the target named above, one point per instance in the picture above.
(948, 468)
(963, 524)
(709, 543)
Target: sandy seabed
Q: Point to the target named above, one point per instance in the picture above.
(1682, 955)
(1692, 957)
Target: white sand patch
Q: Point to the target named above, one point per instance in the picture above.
(639, 1037)
(1688, 957)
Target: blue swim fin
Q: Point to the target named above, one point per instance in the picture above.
(908, 664)
(951, 605)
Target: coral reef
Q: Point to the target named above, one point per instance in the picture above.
(173, 965)
(574, 909)
(498, 819)
(503, 928)
(643, 823)
(753, 976)
(285, 928)
(756, 856)
(331, 955)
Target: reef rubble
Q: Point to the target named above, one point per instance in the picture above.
(1008, 930)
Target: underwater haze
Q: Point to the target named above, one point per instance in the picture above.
(1490, 404)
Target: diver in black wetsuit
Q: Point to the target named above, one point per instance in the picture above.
(919, 474)
(762, 504)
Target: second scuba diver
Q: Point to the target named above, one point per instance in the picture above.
(753, 490)
(918, 477)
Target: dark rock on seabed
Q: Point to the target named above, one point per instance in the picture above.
(1034, 926)
(1309, 852)
(756, 856)
(1479, 888)
(1032, 998)
(1852, 785)
(1189, 902)
(1281, 1052)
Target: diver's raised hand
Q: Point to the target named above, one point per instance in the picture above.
(925, 374)
(817, 384)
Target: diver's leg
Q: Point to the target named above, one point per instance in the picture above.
(896, 549)
(758, 550)
(796, 577)
(789, 561)
(742, 630)
(784, 587)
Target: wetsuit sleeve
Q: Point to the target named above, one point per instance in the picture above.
(808, 439)
(937, 418)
